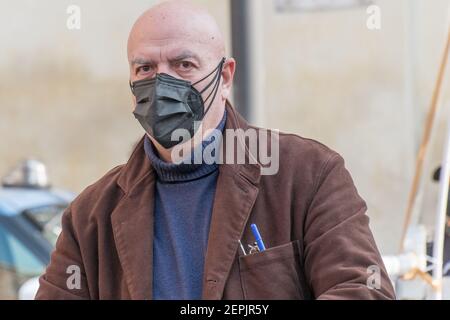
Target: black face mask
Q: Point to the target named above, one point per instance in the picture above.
(165, 103)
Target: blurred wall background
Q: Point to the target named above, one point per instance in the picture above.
(64, 95)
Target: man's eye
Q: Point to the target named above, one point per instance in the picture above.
(143, 69)
(185, 65)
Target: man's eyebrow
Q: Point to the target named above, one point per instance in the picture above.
(185, 55)
(180, 57)
(142, 61)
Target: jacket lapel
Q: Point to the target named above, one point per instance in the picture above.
(236, 192)
(232, 206)
(132, 223)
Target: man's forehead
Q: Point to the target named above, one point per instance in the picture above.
(168, 48)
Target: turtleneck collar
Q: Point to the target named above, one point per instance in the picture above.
(182, 172)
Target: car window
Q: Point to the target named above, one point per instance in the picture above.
(53, 228)
(14, 254)
(48, 221)
(17, 264)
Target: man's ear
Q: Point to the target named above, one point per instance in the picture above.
(227, 77)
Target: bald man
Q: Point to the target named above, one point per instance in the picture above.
(167, 226)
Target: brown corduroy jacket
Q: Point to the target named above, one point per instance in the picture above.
(310, 215)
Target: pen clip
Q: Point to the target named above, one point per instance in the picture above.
(257, 235)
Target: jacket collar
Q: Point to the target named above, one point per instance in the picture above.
(139, 166)
(132, 219)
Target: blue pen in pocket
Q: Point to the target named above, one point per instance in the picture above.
(258, 238)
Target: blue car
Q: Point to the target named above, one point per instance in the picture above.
(30, 222)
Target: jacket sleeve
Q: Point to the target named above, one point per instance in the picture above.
(64, 277)
(341, 258)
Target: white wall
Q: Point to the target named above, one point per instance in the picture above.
(64, 94)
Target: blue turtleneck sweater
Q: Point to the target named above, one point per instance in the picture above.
(184, 197)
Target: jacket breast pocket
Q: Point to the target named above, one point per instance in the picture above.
(274, 273)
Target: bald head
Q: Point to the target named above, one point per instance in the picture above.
(178, 20)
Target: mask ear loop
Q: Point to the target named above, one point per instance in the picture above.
(215, 89)
(213, 81)
(216, 82)
(215, 69)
